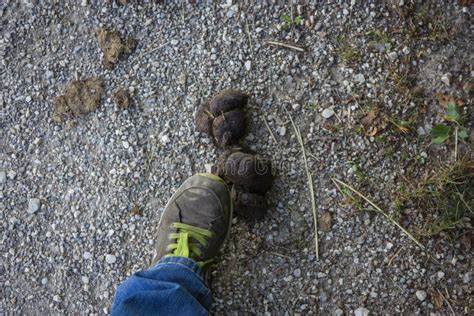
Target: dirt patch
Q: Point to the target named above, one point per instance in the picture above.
(325, 222)
(223, 118)
(80, 97)
(121, 97)
(113, 46)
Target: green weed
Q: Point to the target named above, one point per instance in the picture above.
(453, 128)
(347, 52)
(446, 198)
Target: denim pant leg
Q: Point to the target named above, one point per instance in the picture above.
(173, 286)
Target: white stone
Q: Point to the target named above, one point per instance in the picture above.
(34, 205)
(361, 311)
(421, 295)
(57, 298)
(389, 245)
(125, 144)
(164, 139)
(85, 280)
(466, 278)
(406, 50)
(248, 65)
(345, 11)
(110, 259)
(338, 312)
(87, 255)
(227, 4)
(446, 79)
(3, 177)
(327, 113)
(282, 131)
(296, 106)
(44, 281)
(392, 56)
(232, 11)
(11, 174)
(440, 274)
(359, 78)
(49, 74)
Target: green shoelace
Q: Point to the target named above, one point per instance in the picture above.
(183, 247)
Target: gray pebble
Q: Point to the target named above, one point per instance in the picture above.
(110, 259)
(327, 113)
(359, 78)
(34, 205)
(361, 311)
(297, 273)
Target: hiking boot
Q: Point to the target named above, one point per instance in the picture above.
(196, 220)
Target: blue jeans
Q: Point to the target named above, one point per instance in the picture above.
(173, 286)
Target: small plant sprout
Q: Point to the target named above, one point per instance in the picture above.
(453, 128)
(288, 21)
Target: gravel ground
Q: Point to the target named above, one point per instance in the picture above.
(68, 190)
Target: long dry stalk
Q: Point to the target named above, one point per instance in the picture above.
(310, 184)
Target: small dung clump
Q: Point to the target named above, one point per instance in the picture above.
(223, 118)
(80, 97)
(252, 172)
(251, 176)
(121, 97)
(113, 46)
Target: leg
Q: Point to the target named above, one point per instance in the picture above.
(192, 229)
(172, 286)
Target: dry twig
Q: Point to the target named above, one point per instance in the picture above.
(297, 48)
(269, 130)
(393, 221)
(250, 38)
